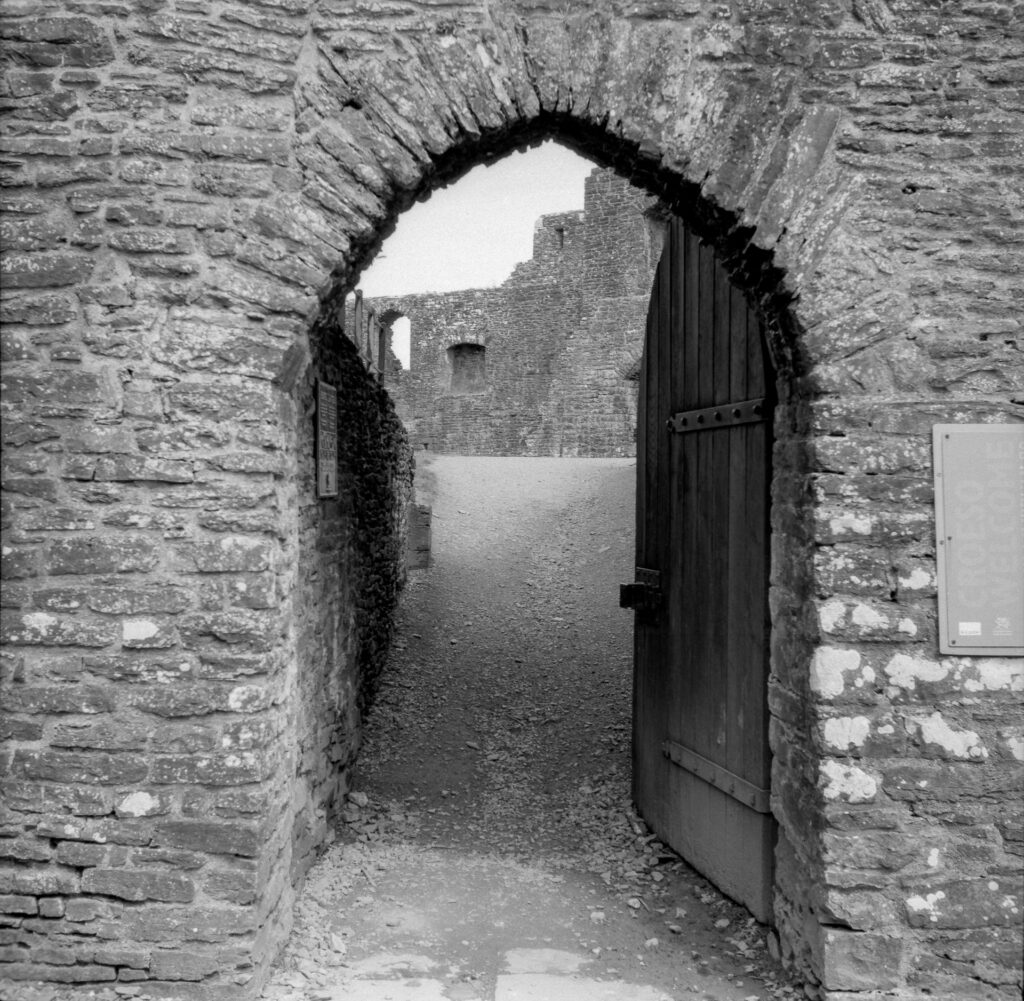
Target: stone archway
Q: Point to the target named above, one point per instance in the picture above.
(192, 197)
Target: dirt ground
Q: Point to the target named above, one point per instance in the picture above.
(489, 848)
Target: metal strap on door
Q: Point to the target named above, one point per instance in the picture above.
(731, 784)
(722, 416)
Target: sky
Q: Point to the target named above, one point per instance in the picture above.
(473, 233)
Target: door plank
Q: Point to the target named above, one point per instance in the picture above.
(702, 668)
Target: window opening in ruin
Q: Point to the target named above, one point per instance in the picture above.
(401, 341)
(468, 369)
(560, 230)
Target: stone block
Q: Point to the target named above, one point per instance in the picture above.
(185, 700)
(236, 887)
(138, 599)
(45, 629)
(862, 909)
(142, 468)
(53, 954)
(45, 269)
(220, 399)
(25, 849)
(854, 960)
(211, 769)
(17, 433)
(180, 964)
(231, 554)
(103, 735)
(135, 885)
(119, 553)
(144, 240)
(47, 797)
(148, 634)
(234, 181)
(83, 855)
(64, 387)
(20, 562)
(248, 462)
(39, 309)
(51, 907)
(79, 974)
(237, 837)
(251, 590)
(868, 849)
(31, 486)
(18, 904)
(141, 667)
(875, 621)
(247, 630)
(192, 924)
(37, 881)
(88, 699)
(82, 910)
(32, 233)
(58, 519)
(962, 904)
(169, 858)
(113, 955)
(71, 766)
(115, 832)
(261, 116)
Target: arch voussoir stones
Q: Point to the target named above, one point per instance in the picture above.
(192, 628)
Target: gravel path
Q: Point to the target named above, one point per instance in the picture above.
(489, 849)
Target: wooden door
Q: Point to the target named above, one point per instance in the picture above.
(700, 737)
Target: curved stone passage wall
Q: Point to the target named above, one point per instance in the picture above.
(190, 190)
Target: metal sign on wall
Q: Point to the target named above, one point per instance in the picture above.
(326, 440)
(979, 511)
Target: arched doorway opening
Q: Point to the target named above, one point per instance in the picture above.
(164, 292)
(758, 285)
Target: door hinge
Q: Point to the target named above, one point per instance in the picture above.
(730, 783)
(644, 594)
(723, 416)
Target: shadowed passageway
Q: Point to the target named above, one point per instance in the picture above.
(489, 848)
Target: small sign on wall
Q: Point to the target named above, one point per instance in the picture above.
(979, 529)
(326, 440)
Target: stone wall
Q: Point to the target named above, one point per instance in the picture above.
(176, 749)
(561, 339)
(190, 190)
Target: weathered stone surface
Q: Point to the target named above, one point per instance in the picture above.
(83, 855)
(44, 629)
(966, 904)
(35, 881)
(215, 837)
(231, 554)
(59, 699)
(45, 797)
(102, 554)
(42, 309)
(18, 904)
(44, 270)
(177, 964)
(211, 769)
(131, 885)
(241, 628)
(234, 887)
(69, 766)
(78, 974)
(192, 924)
